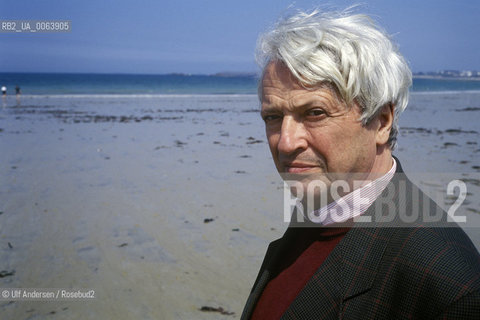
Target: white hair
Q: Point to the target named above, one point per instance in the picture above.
(346, 50)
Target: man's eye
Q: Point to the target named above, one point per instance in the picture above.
(270, 117)
(315, 113)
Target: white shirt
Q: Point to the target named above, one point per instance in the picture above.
(354, 203)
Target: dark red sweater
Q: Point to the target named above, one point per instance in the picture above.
(314, 245)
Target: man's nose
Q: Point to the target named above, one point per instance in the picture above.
(292, 136)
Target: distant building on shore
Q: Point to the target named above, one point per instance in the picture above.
(449, 74)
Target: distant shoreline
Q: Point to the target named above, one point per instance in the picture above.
(160, 85)
(445, 78)
(253, 75)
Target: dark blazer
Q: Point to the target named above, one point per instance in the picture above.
(387, 270)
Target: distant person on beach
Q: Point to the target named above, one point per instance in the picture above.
(4, 91)
(17, 91)
(332, 89)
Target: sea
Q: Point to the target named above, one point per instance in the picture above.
(176, 84)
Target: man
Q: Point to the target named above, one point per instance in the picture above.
(332, 89)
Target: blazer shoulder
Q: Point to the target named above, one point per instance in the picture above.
(440, 260)
(436, 245)
(424, 270)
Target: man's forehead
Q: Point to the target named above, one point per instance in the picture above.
(279, 82)
(278, 75)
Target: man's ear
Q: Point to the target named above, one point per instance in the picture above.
(385, 120)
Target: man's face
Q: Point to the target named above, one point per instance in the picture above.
(312, 133)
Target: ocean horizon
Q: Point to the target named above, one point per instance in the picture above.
(65, 84)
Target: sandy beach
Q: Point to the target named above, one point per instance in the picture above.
(166, 204)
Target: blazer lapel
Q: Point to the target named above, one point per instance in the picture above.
(362, 252)
(260, 284)
(348, 271)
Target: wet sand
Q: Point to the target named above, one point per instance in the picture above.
(165, 205)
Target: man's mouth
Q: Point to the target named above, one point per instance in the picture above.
(298, 167)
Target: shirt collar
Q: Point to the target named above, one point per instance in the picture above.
(354, 203)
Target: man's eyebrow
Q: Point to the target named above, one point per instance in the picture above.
(268, 108)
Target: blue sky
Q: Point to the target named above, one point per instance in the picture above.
(202, 36)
